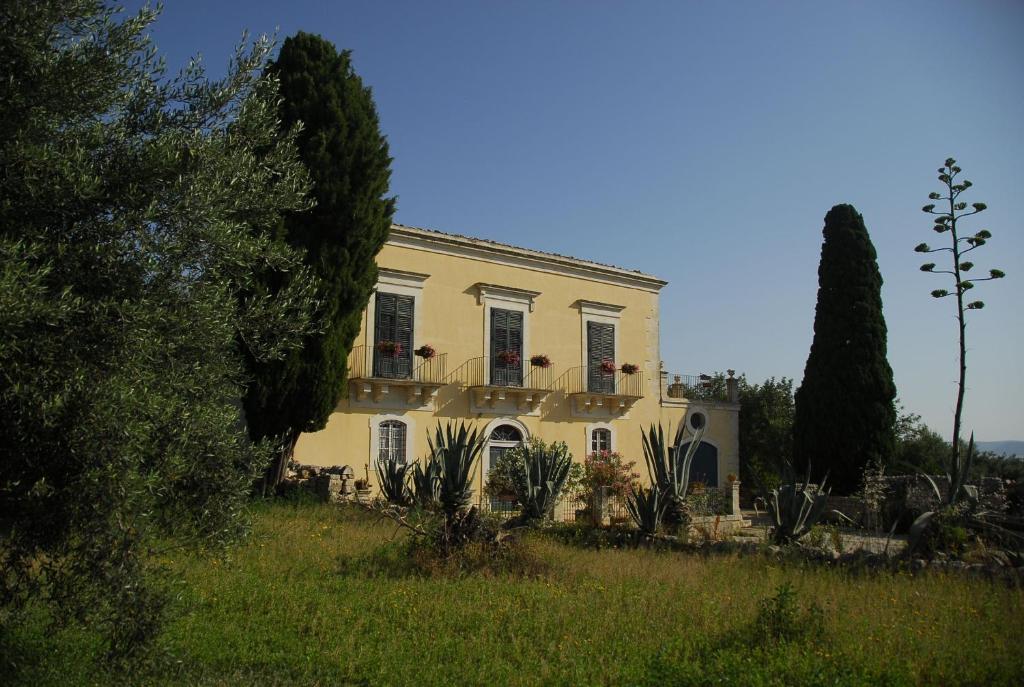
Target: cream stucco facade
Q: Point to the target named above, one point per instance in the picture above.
(460, 293)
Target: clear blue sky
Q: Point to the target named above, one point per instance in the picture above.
(704, 142)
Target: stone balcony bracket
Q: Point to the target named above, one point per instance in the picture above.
(411, 392)
(525, 400)
(612, 404)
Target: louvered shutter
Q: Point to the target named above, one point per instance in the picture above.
(393, 322)
(506, 335)
(403, 335)
(600, 347)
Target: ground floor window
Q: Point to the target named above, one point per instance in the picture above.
(600, 440)
(391, 441)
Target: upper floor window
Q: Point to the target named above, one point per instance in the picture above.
(600, 440)
(392, 336)
(600, 357)
(391, 441)
(506, 347)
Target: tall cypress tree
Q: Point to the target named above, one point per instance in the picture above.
(845, 415)
(348, 161)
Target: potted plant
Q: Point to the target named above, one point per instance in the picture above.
(508, 358)
(540, 361)
(392, 349)
(630, 368)
(608, 366)
(426, 351)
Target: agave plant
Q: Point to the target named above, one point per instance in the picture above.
(393, 476)
(546, 469)
(961, 503)
(669, 469)
(647, 507)
(796, 508)
(456, 450)
(426, 482)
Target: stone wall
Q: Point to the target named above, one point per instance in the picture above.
(888, 499)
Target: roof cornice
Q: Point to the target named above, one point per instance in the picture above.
(492, 251)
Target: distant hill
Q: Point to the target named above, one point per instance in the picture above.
(1009, 448)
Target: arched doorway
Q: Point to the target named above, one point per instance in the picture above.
(704, 467)
(501, 440)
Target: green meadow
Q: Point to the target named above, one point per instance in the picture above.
(322, 595)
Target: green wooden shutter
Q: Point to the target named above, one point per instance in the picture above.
(393, 321)
(600, 347)
(506, 335)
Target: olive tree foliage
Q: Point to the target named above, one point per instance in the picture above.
(947, 221)
(134, 207)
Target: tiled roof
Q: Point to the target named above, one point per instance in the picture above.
(555, 257)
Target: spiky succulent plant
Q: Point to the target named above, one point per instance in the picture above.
(795, 507)
(546, 469)
(669, 470)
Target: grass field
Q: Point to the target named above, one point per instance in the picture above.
(323, 596)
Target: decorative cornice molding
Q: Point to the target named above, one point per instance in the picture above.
(411, 280)
(491, 251)
(505, 293)
(601, 309)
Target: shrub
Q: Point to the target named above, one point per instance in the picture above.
(781, 619)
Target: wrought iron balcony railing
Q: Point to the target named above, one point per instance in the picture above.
(418, 370)
(595, 380)
(479, 371)
(700, 387)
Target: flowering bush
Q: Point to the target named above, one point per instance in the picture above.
(607, 469)
(608, 366)
(540, 361)
(390, 348)
(630, 368)
(510, 358)
(426, 351)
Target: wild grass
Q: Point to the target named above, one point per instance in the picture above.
(324, 596)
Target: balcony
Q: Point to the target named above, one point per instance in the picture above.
(702, 387)
(596, 390)
(496, 387)
(414, 384)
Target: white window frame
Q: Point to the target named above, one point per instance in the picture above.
(410, 428)
(506, 298)
(604, 313)
(591, 428)
(400, 283)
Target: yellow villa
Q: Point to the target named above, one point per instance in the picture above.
(520, 343)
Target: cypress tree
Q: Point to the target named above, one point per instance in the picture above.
(348, 161)
(845, 416)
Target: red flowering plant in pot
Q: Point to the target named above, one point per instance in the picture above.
(392, 349)
(629, 368)
(540, 361)
(509, 358)
(608, 366)
(426, 351)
